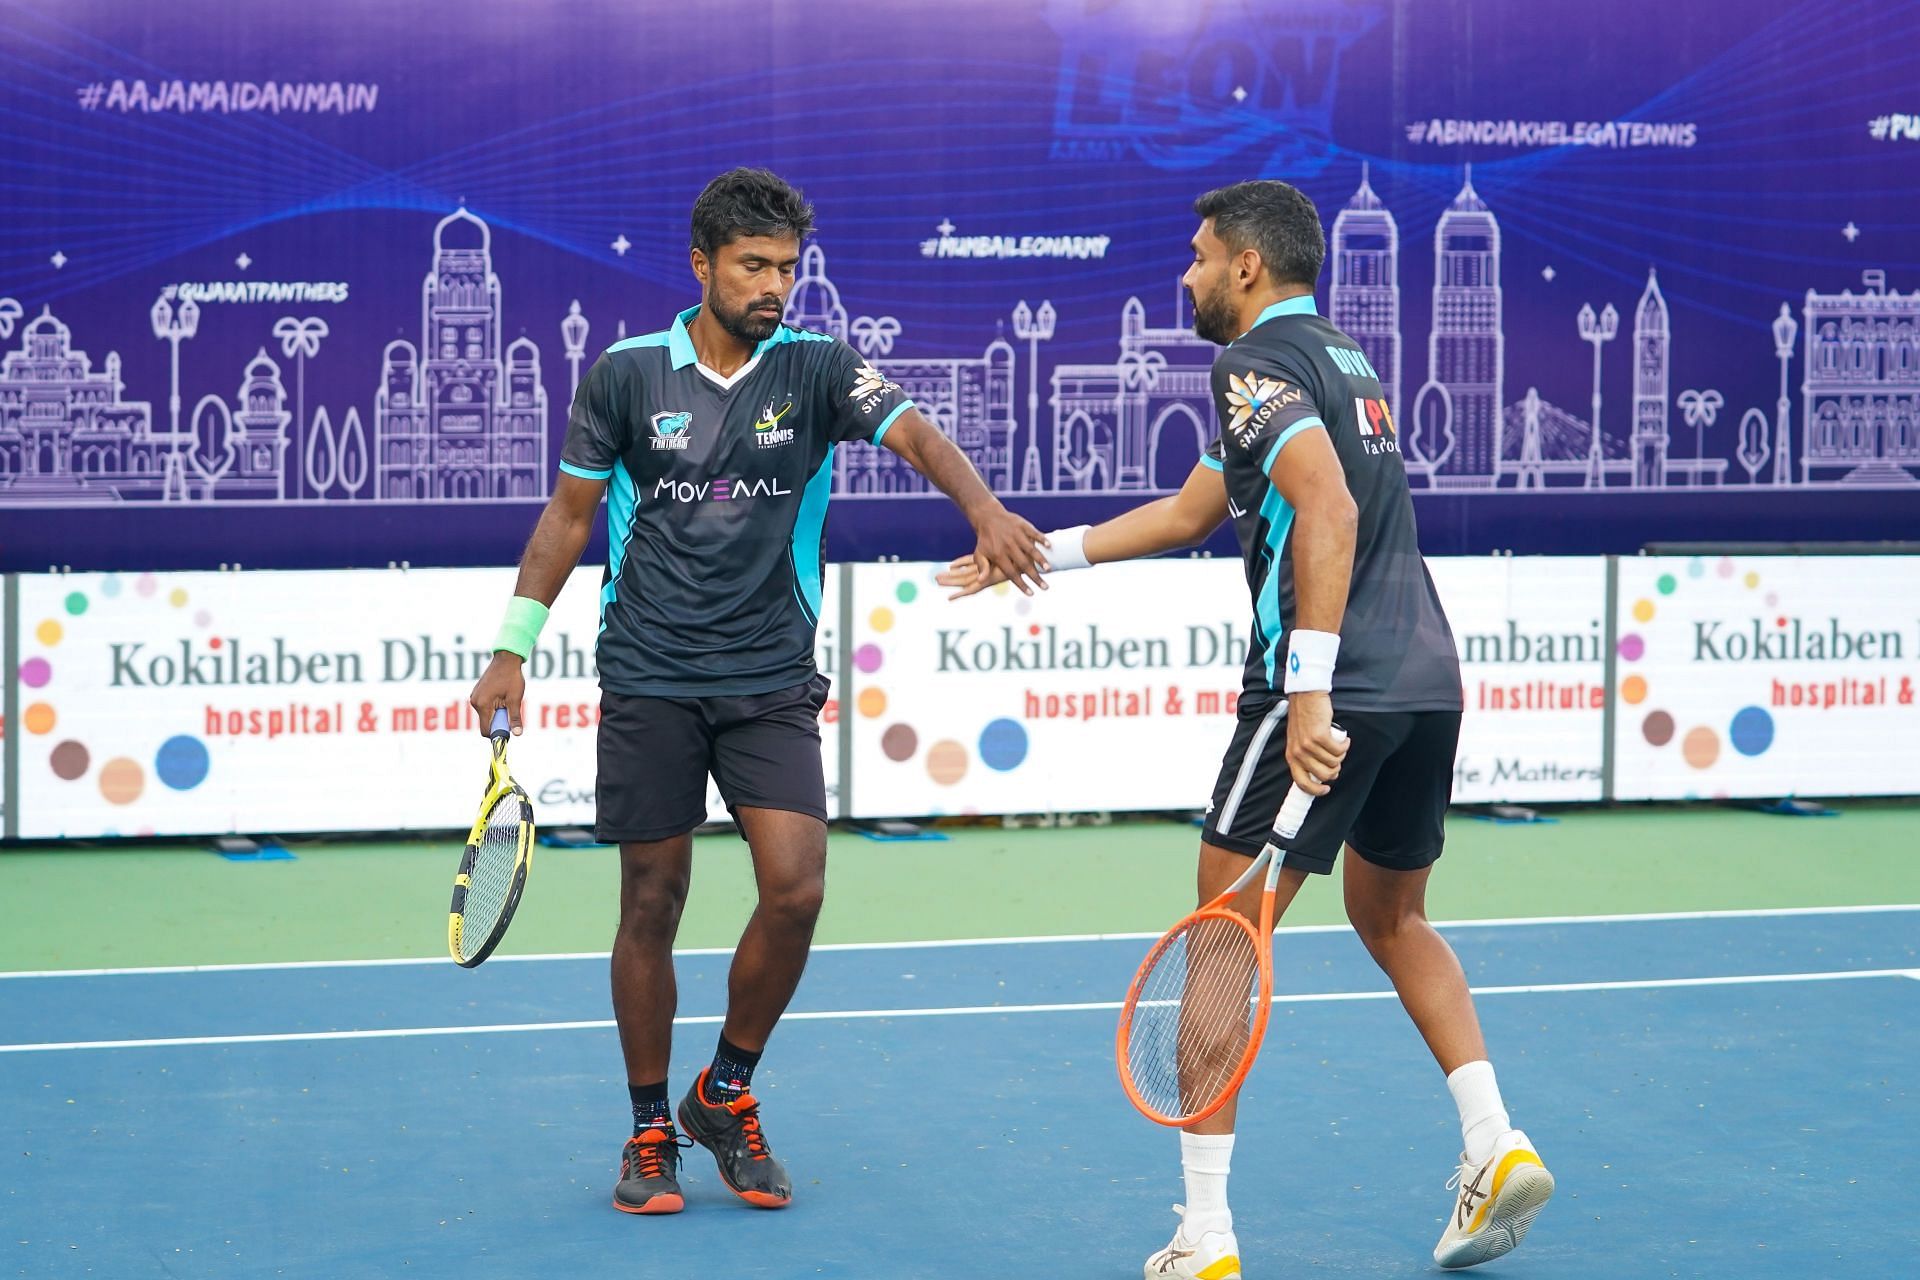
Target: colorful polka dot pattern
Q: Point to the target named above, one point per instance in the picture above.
(182, 761)
(1751, 730)
(1003, 743)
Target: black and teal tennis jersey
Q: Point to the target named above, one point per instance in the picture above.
(1294, 372)
(716, 503)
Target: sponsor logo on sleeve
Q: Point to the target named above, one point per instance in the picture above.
(870, 387)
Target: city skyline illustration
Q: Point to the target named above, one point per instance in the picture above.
(457, 414)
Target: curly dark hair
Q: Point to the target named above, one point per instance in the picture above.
(748, 202)
(1273, 218)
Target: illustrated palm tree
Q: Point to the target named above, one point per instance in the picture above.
(874, 335)
(300, 338)
(10, 313)
(1698, 409)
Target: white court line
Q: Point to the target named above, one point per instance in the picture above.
(1759, 913)
(961, 1011)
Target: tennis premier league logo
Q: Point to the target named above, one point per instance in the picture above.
(767, 431)
(672, 430)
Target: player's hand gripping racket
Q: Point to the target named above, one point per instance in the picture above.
(1197, 1009)
(493, 869)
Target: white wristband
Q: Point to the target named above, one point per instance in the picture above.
(1310, 659)
(1067, 548)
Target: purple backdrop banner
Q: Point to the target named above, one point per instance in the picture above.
(312, 286)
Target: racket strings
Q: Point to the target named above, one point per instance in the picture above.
(1193, 1017)
(490, 882)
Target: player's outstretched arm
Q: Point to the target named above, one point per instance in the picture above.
(1008, 545)
(1165, 524)
(1325, 524)
(551, 554)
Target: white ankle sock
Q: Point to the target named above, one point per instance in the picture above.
(1483, 1117)
(1206, 1158)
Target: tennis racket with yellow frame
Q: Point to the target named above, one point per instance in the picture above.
(493, 867)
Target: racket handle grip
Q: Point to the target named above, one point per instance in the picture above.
(501, 725)
(1293, 812)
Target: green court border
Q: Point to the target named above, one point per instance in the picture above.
(123, 904)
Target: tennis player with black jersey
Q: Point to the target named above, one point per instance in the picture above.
(713, 440)
(1347, 624)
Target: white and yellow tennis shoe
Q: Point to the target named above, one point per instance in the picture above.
(1208, 1255)
(1497, 1200)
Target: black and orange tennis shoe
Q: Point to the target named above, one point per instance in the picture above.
(731, 1130)
(648, 1173)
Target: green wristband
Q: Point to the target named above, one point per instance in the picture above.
(520, 629)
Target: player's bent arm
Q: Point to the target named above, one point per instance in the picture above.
(558, 540)
(1007, 544)
(1325, 524)
(1167, 524)
(922, 446)
(551, 554)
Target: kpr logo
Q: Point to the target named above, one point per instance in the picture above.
(721, 490)
(1374, 423)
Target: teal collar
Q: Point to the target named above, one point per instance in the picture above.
(680, 342)
(1300, 306)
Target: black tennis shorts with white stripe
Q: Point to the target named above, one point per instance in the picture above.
(1389, 803)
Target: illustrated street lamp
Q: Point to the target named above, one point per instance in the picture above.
(573, 332)
(1033, 329)
(1784, 330)
(1597, 330)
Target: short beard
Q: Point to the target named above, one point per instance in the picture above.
(1214, 318)
(744, 325)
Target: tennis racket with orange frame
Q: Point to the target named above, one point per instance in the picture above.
(1197, 1010)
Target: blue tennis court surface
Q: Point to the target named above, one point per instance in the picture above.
(1725, 1095)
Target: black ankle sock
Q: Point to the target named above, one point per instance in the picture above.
(650, 1106)
(731, 1072)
